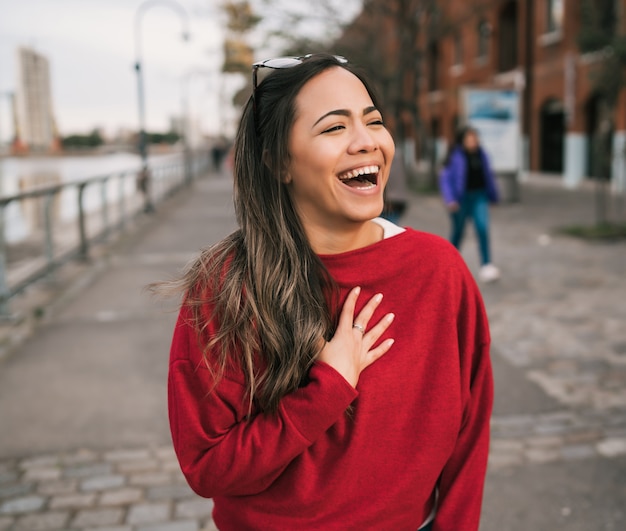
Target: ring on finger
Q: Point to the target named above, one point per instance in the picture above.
(359, 327)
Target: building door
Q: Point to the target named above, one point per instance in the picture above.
(552, 136)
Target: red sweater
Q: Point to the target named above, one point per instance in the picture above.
(420, 414)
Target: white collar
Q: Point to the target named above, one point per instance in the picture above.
(389, 229)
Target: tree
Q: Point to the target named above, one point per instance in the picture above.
(92, 140)
(241, 20)
(171, 137)
(599, 35)
(291, 27)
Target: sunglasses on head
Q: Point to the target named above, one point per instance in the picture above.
(284, 62)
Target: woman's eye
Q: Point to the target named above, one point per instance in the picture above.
(379, 121)
(334, 128)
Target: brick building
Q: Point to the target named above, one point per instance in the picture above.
(532, 47)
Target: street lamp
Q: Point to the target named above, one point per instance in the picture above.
(143, 150)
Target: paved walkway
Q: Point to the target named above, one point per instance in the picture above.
(85, 442)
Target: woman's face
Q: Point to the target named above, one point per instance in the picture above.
(470, 141)
(340, 153)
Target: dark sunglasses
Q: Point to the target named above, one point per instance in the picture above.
(284, 62)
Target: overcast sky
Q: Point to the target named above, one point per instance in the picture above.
(90, 45)
(91, 48)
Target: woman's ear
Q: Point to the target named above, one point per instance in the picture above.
(285, 176)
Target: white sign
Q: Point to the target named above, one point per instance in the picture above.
(495, 114)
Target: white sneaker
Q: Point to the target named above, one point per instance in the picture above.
(489, 273)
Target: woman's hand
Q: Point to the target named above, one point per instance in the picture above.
(350, 350)
(453, 207)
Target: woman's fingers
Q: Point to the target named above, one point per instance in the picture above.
(350, 349)
(377, 330)
(361, 321)
(346, 318)
(364, 316)
(377, 352)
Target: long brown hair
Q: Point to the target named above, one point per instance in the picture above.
(272, 301)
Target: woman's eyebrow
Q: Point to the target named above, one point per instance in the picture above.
(344, 112)
(371, 108)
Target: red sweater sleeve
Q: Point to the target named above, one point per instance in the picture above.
(220, 450)
(462, 480)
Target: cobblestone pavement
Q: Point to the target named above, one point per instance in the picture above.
(558, 321)
(559, 316)
(121, 490)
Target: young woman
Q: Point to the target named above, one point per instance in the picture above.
(329, 370)
(468, 185)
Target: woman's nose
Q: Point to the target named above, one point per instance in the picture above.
(363, 140)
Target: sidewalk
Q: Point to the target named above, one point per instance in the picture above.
(558, 323)
(85, 441)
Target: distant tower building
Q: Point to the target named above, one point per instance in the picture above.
(34, 116)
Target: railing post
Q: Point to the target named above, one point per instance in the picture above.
(49, 240)
(105, 207)
(4, 284)
(122, 200)
(159, 176)
(188, 166)
(83, 250)
(154, 186)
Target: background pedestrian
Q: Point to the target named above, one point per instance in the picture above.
(468, 185)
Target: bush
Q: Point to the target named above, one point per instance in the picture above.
(91, 140)
(600, 231)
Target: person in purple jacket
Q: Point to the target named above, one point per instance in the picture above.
(468, 185)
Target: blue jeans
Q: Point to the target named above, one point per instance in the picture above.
(474, 204)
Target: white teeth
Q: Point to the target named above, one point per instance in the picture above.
(365, 170)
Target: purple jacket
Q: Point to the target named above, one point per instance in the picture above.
(453, 177)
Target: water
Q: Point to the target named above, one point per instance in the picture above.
(19, 174)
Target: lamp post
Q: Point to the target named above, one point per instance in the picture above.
(143, 149)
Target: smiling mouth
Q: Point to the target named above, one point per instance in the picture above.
(362, 178)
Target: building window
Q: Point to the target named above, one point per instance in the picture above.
(484, 33)
(554, 16)
(507, 37)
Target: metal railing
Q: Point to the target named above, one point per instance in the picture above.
(104, 205)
